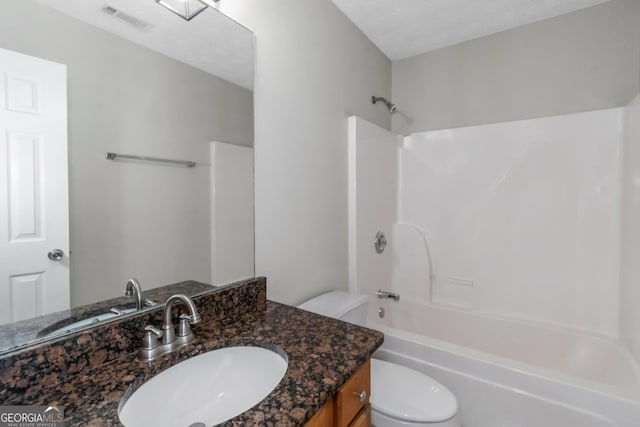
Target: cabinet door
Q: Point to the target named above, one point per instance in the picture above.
(353, 396)
(322, 418)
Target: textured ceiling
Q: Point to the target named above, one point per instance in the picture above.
(405, 28)
(210, 42)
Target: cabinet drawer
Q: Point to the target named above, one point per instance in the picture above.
(348, 402)
(363, 419)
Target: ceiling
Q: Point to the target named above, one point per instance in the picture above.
(210, 42)
(400, 28)
(405, 28)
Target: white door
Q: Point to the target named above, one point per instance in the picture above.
(34, 201)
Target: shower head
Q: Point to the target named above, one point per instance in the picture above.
(392, 107)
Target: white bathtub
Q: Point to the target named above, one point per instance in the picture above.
(508, 373)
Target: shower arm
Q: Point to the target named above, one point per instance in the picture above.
(390, 105)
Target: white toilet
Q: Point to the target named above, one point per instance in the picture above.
(399, 396)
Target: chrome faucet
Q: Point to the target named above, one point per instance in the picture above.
(133, 288)
(171, 340)
(391, 295)
(184, 329)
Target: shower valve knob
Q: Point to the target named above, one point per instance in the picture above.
(380, 243)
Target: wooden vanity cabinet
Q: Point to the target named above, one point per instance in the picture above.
(322, 418)
(363, 419)
(350, 405)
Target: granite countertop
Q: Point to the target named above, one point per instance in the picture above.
(323, 353)
(30, 331)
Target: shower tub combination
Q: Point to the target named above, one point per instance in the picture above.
(511, 240)
(508, 373)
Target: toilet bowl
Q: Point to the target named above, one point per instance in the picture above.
(404, 397)
(399, 396)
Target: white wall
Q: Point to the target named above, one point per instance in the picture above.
(630, 274)
(528, 211)
(582, 61)
(232, 230)
(313, 70)
(129, 219)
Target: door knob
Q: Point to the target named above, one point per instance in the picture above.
(56, 254)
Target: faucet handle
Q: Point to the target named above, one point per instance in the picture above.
(151, 337)
(184, 329)
(149, 302)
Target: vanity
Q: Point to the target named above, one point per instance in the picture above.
(93, 373)
(349, 407)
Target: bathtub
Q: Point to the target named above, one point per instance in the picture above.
(508, 373)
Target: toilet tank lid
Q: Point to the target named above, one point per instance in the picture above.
(334, 304)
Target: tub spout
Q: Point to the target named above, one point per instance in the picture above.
(384, 294)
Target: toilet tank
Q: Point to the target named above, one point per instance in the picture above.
(347, 306)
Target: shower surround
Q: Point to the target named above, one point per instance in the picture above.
(519, 219)
(524, 223)
(523, 217)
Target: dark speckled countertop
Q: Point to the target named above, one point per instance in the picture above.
(323, 353)
(30, 331)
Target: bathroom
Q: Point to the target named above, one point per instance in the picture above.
(315, 67)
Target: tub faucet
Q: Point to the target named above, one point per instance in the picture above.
(384, 294)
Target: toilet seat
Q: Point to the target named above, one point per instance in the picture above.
(407, 395)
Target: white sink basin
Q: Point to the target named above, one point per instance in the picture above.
(205, 390)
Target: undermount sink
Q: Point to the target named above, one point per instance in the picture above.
(205, 390)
